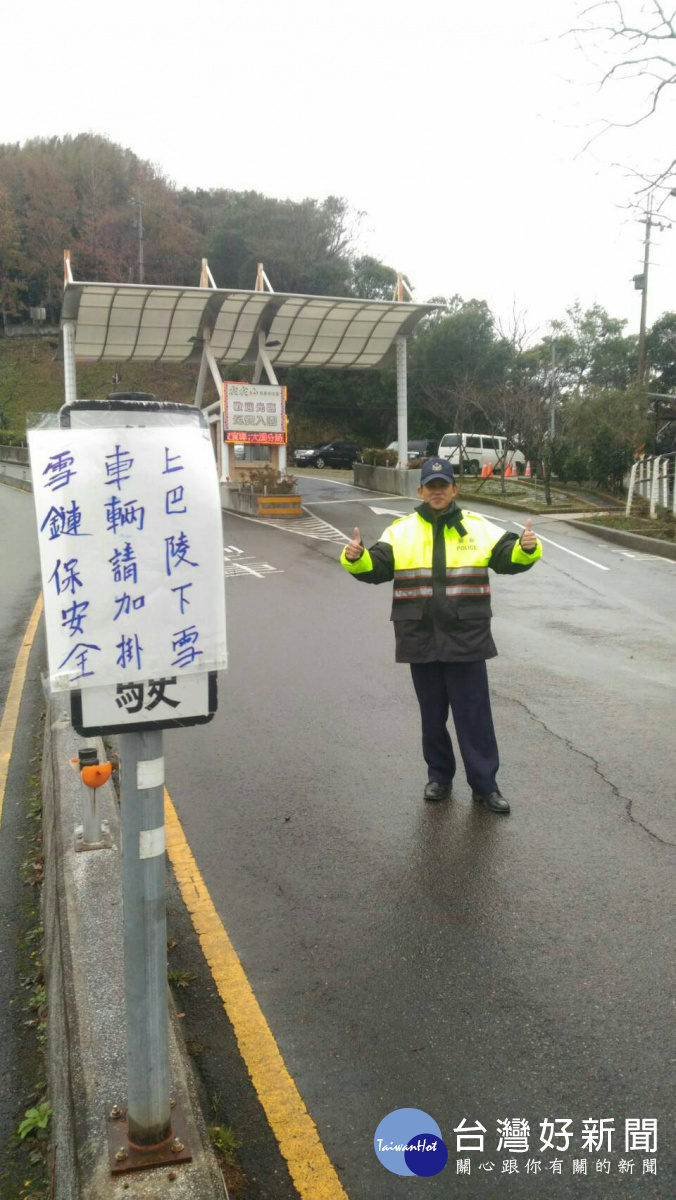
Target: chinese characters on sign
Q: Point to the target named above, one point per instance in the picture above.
(254, 412)
(129, 527)
(176, 697)
(596, 1137)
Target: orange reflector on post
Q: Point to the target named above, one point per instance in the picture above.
(96, 776)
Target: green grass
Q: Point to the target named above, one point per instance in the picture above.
(181, 979)
(31, 380)
(225, 1142)
(663, 526)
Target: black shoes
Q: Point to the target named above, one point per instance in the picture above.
(438, 791)
(494, 802)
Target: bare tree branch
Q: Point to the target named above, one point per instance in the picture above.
(637, 38)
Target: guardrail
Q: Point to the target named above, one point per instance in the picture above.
(652, 479)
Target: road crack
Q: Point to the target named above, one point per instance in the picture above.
(625, 800)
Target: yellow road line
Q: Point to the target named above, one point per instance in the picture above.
(10, 716)
(296, 1133)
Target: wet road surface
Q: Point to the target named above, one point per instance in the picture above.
(408, 955)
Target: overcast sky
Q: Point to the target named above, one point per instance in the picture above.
(456, 127)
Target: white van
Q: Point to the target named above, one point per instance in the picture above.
(480, 448)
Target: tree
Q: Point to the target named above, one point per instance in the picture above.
(305, 245)
(371, 279)
(640, 37)
(661, 354)
(11, 285)
(459, 350)
(44, 207)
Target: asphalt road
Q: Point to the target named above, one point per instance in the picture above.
(20, 1068)
(437, 957)
(441, 958)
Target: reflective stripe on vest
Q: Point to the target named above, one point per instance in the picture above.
(467, 581)
(412, 542)
(468, 590)
(411, 593)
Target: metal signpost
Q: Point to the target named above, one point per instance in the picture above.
(131, 554)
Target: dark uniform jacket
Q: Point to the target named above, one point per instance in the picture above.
(441, 603)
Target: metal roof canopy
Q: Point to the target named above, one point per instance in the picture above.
(137, 323)
(215, 327)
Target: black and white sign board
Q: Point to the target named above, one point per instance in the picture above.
(131, 553)
(145, 704)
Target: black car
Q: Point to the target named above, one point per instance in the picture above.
(328, 454)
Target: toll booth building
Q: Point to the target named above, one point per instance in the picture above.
(223, 330)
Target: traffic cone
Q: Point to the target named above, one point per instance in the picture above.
(527, 473)
(484, 470)
(508, 471)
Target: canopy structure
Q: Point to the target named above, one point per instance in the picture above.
(226, 327)
(133, 322)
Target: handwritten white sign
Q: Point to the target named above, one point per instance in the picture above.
(131, 553)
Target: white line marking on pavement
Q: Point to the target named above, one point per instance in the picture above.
(239, 567)
(315, 528)
(357, 500)
(387, 512)
(325, 479)
(565, 549)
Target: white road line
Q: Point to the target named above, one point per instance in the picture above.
(359, 500)
(315, 528)
(565, 549)
(387, 512)
(325, 479)
(241, 569)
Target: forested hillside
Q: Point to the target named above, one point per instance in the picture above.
(465, 370)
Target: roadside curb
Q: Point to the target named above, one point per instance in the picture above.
(82, 903)
(633, 541)
(524, 508)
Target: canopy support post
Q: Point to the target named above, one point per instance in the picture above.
(69, 376)
(209, 359)
(402, 403)
(201, 379)
(402, 393)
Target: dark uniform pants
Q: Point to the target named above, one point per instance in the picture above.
(463, 686)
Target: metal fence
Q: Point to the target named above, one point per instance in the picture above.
(652, 479)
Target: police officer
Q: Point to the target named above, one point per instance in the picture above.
(439, 558)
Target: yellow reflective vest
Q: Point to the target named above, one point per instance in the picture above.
(441, 601)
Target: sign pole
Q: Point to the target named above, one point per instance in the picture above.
(145, 937)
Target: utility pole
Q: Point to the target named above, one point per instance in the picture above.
(552, 398)
(641, 284)
(139, 204)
